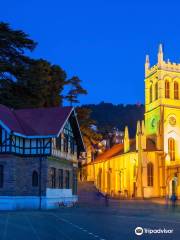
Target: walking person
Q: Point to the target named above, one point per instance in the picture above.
(173, 200)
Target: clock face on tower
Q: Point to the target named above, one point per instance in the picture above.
(153, 123)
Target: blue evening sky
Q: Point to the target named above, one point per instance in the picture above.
(104, 42)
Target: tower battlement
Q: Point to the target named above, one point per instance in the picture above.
(161, 65)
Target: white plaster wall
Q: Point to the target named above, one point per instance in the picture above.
(50, 201)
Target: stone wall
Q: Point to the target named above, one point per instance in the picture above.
(18, 175)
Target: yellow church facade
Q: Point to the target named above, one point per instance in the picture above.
(149, 165)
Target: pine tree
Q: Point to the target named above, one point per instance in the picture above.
(75, 90)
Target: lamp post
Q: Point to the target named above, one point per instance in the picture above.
(42, 152)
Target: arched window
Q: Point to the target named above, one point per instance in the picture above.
(156, 91)
(150, 94)
(176, 90)
(167, 89)
(1, 176)
(171, 148)
(35, 179)
(150, 173)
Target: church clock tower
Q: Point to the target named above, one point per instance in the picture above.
(162, 104)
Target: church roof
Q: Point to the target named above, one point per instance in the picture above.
(109, 153)
(115, 150)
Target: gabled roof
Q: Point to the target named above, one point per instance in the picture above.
(35, 122)
(40, 122)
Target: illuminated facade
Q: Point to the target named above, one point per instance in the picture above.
(149, 165)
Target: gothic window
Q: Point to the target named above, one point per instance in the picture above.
(150, 173)
(171, 148)
(176, 90)
(35, 179)
(156, 91)
(167, 89)
(61, 178)
(1, 176)
(150, 94)
(53, 177)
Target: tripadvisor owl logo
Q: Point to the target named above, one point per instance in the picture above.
(139, 231)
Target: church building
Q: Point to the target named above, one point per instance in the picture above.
(149, 165)
(39, 151)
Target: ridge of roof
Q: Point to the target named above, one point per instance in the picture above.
(34, 121)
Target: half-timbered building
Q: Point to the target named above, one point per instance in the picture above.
(39, 150)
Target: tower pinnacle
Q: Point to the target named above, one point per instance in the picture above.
(160, 54)
(147, 63)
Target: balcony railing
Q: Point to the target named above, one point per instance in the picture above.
(64, 155)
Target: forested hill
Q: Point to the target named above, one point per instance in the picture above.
(108, 116)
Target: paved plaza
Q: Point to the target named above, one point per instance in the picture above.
(90, 222)
(92, 219)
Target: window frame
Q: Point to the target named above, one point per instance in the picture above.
(150, 174)
(171, 148)
(67, 179)
(156, 91)
(35, 179)
(150, 93)
(58, 141)
(167, 89)
(61, 178)
(53, 177)
(66, 143)
(176, 90)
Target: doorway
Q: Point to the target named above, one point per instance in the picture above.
(173, 186)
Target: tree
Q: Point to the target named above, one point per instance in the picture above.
(25, 82)
(13, 44)
(13, 62)
(87, 125)
(75, 90)
(45, 83)
(118, 116)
